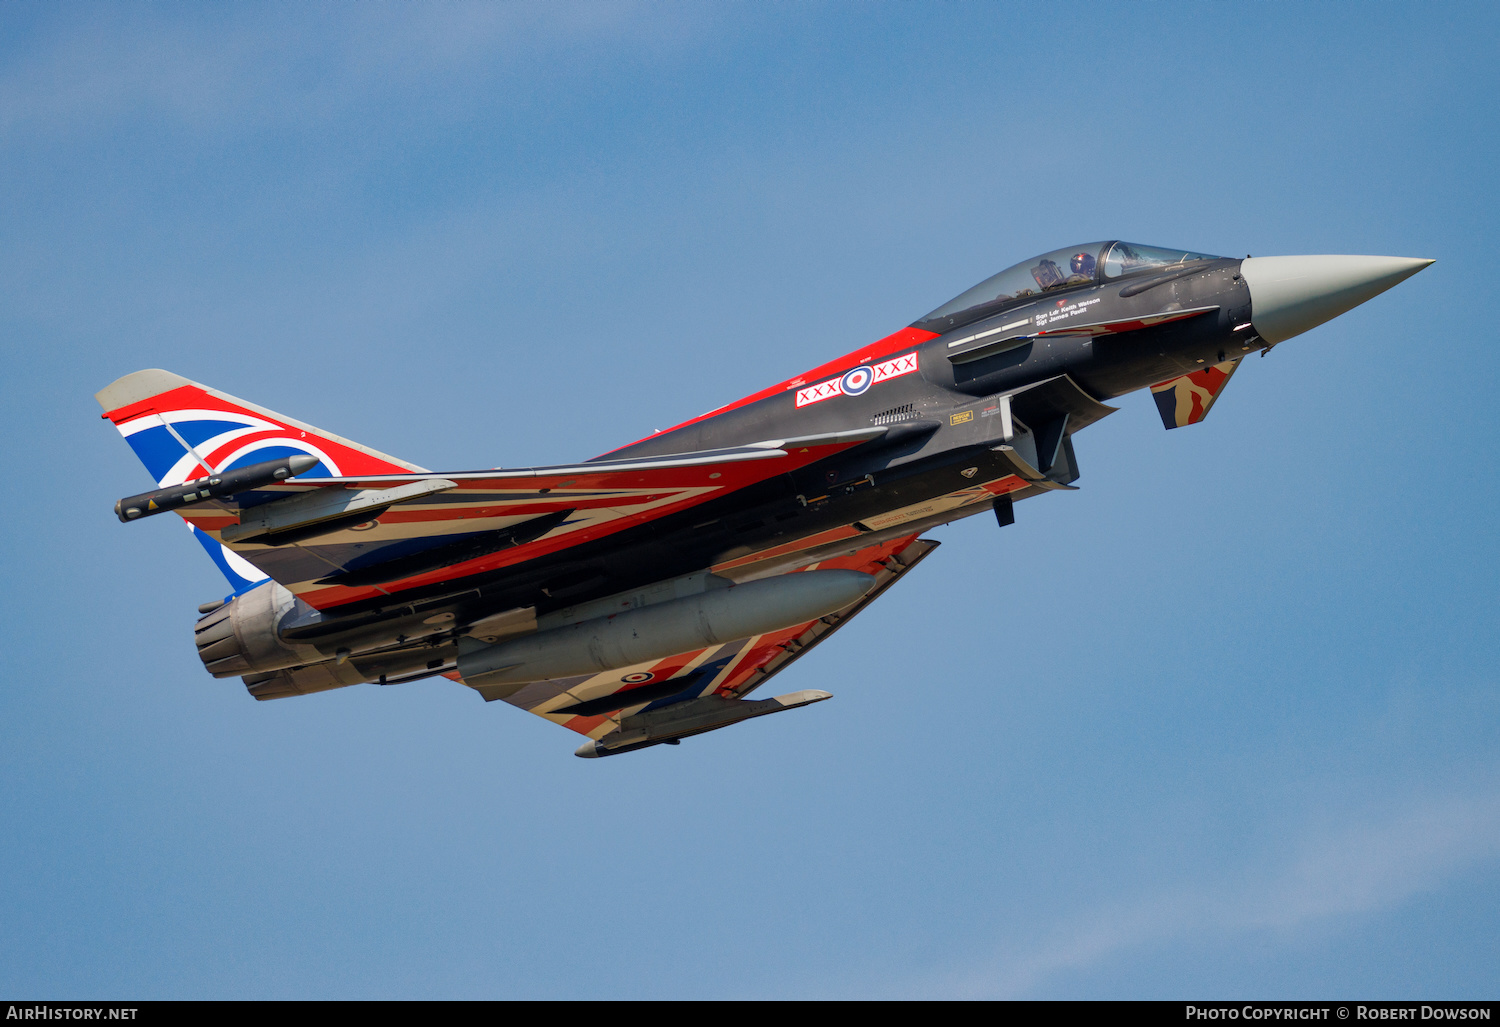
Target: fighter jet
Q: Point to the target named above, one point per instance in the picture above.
(639, 597)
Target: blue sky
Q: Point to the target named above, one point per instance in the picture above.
(1222, 723)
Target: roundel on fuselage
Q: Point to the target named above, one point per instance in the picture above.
(855, 382)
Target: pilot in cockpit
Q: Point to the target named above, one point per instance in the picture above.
(1083, 268)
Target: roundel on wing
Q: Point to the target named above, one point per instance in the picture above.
(855, 382)
(637, 678)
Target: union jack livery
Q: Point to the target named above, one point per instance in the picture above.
(1186, 399)
(638, 598)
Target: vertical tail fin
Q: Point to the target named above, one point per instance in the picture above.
(182, 430)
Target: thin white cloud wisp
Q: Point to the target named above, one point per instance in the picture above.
(1367, 868)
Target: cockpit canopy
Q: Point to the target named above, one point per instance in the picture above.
(1061, 269)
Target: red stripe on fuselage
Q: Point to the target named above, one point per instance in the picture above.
(904, 339)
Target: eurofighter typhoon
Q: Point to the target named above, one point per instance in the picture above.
(641, 597)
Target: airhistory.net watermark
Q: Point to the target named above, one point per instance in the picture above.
(44, 1011)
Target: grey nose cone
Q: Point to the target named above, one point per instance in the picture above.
(1289, 295)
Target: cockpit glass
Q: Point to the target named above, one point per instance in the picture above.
(1060, 269)
(1125, 257)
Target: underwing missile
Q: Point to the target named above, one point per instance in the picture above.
(711, 712)
(215, 486)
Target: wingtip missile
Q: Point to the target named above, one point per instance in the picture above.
(213, 486)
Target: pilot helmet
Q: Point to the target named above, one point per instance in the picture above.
(1083, 263)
